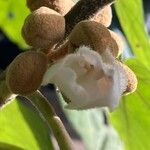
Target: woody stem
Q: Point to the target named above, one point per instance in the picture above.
(83, 10)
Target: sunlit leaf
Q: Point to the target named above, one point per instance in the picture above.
(132, 117)
(22, 127)
(12, 15)
(4, 146)
(130, 13)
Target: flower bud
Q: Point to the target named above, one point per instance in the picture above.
(61, 6)
(25, 73)
(87, 81)
(94, 35)
(103, 16)
(43, 28)
(132, 79)
(119, 43)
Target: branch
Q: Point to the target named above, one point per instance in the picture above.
(58, 53)
(53, 121)
(5, 94)
(83, 10)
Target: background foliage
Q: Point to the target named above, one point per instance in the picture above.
(22, 128)
(12, 15)
(132, 117)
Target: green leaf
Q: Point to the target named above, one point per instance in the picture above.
(4, 146)
(132, 117)
(12, 14)
(130, 13)
(22, 127)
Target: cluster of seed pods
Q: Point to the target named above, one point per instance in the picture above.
(44, 30)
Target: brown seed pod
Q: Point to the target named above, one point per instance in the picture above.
(61, 6)
(25, 73)
(104, 16)
(94, 35)
(43, 28)
(119, 42)
(132, 79)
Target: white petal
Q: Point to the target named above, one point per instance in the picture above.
(88, 80)
(51, 72)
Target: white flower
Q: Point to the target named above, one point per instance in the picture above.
(88, 79)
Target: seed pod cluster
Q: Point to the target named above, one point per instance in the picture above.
(44, 28)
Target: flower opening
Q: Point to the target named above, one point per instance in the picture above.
(88, 79)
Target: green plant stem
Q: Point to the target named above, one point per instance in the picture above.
(53, 121)
(5, 94)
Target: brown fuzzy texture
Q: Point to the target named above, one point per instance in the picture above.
(25, 73)
(132, 79)
(119, 42)
(43, 28)
(113, 46)
(94, 35)
(61, 6)
(89, 33)
(103, 16)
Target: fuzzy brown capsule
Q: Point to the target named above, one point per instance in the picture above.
(132, 80)
(131, 77)
(94, 35)
(25, 73)
(61, 6)
(43, 28)
(119, 42)
(103, 16)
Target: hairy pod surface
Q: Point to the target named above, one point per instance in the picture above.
(25, 73)
(104, 16)
(118, 43)
(61, 6)
(132, 79)
(43, 28)
(94, 35)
